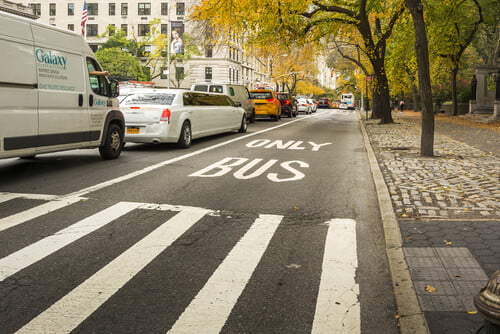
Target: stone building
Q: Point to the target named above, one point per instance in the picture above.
(227, 62)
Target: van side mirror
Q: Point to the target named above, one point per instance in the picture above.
(237, 104)
(114, 89)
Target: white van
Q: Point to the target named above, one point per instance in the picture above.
(237, 93)
(53, 93)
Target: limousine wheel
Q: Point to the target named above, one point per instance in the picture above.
(244, 126)
(113, 143)
(185, 137)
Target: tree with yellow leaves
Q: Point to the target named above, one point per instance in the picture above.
(298, 22)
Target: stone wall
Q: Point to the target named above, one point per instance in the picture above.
(463, 108)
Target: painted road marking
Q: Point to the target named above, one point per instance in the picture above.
(36, 212)
(67, 313)
(179, 158)
(338, 308)
(210, 309)
(25, 257)
(247, 171)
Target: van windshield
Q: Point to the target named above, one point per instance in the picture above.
(156, 98)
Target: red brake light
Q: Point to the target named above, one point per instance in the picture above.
(165, 116)
(271, 100)
(135, 107)
(287, 102)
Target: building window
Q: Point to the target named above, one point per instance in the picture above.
(164, 29)
(164, 8)
(179, 8)
(179, 73)
(124, 29)
(93, 8)
(71, 27)
(124, 9)
(144, 9)
(91, 30)
(208, 73)
(71, 9)
(52, 9)
(37, 9)
(112, 9)
(143, 29)
(209, 51)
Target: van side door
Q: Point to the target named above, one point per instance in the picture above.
(63, 118)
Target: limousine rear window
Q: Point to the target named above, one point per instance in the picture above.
(162, 99)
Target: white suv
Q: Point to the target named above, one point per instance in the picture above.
(237, 93)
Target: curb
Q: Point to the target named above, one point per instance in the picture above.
(412, 320)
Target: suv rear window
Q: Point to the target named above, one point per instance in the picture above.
(261, 95)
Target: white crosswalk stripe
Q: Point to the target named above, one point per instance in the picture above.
(21, 259)
(35, 212)
(337, 306)
(75, 307)
(209, 310)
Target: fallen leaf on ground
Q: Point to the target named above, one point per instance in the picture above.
(472, 312)
(448, 242)
(430, 288)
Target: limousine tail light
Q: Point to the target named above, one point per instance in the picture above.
(165, 116)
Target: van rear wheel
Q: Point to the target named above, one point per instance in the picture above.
(113, 143)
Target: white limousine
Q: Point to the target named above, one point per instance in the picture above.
(178, 116)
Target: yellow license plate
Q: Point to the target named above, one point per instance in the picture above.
(132, 131)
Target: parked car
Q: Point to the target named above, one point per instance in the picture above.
(335, 104)
(267, 104)
(237, 93)
(313, 105)
(178, 116)
(324, 103)
(304, 106)
(288, 104)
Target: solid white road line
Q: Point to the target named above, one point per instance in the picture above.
(36, 212)
(68, 312)
(210, 309)
(176, 159)
(25, 257)
(338, 308)
(4, 197)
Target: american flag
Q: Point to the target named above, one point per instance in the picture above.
(84, 17)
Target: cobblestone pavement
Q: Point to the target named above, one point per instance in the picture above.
(448, 210)
(460, 182)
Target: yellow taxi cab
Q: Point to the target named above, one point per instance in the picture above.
(267, 104)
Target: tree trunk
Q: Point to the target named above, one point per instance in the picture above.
(381, 97)
(427, 139)
(415, 97)
(454, 98)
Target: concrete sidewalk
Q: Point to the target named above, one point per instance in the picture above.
(441, 215)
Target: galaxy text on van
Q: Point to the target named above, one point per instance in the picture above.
(49, 58)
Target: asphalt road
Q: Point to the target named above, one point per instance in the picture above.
(273, 231)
